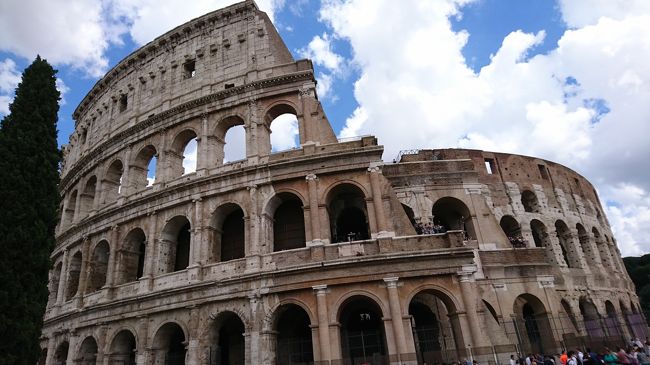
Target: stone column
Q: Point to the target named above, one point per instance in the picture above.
(377, 201)
(126, 186)
(323, 323)
(253, 333)
(72, 347)
(194, 268)
(146, 280)
(314, 221)
(193, 348)
(63, 278)
(77, 205)
(396, 316)
(110, 272)
(252, 239)
(83, 273)
(202, 148)
(143, 341)
(468, 293)
(51, 348)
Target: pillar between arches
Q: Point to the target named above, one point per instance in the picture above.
(323, 324)
(397, 323)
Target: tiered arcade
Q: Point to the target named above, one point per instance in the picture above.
(309, 255)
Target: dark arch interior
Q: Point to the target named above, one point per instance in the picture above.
(74, 270)
(232, 236)
(294, 345)
(61, 354)
(563, 235)
(99, 267)
(171, 339)
(230, 345)
(88, 351)
(427, 331)
(512, 230)
(529, 201)
(453, 214)
(289, 226)
(347, 212)
(362, 332)
(131, 257)
(123, 348)
(182, 259)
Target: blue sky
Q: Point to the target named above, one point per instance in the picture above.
(563, 80)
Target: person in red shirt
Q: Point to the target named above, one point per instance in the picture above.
(564, 358)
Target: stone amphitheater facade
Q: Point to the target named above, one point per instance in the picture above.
(315, 254)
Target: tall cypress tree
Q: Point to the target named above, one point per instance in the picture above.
(29, 200)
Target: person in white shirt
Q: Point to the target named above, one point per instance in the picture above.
(512, 360)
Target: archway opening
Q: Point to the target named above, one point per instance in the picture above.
(123, 348)
(88, 196)
(227, 233)
(284, 132)
(566, 244)
(585, 245)
(591, 318)
(74, 270)
(54, 284)
(348, 214)
(612, 324)
(288, 223)
(169, 345)
(183, 158)
(512, 230)
(143, 170)
(131, 265)
(234, 147)
(227, 342)
(68, 215)
(174, 252)
(294, 337)
(87, 352)
(570, 315)
(112, 184)
(453, 214)
(530, 202)
(532, 324)
(436, 330)
(363, 339)
(603, 249)
(98, 267)
(61, 353)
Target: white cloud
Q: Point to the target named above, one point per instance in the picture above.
(9, 79)
(578, 13)
(78, 33)
(63, 89)
(320, 51)
(629, 217)
(583, 104)
(284, 132)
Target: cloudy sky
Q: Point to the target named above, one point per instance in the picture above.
(567, 80)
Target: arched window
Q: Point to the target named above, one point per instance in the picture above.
(54, 283)
(348, 214)
(283, 126)
(143, 170)
(612, 325)
(362, 331)
(131, 262)
(284, 132)
(288, 222)
(61, 353)
(68, 215)
(229, 142)
(123, 348)
(585, 245)
(174, 251)
(98, 267)
(512, 230)
(87, 351)
(227, 344)
(294, 341)
(566, 244)
(112, 184)
(88, 197)
(569, 312)
(530, 202)
(183, 159)
(591, 318)
(170, 343)
(603, 249)
(228, 235)
(74, 269)
(532, 318)
(453, 214)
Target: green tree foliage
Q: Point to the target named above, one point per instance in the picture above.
(639, 270)
(29, 200)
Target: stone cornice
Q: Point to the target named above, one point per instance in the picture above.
(171, 37)
(85, 161)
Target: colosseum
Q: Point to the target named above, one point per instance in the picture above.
(320, 254)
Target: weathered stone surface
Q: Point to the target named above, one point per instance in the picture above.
(311, 234)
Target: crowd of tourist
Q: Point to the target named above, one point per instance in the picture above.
(428, 228)
(517, 241)
(636, 353)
